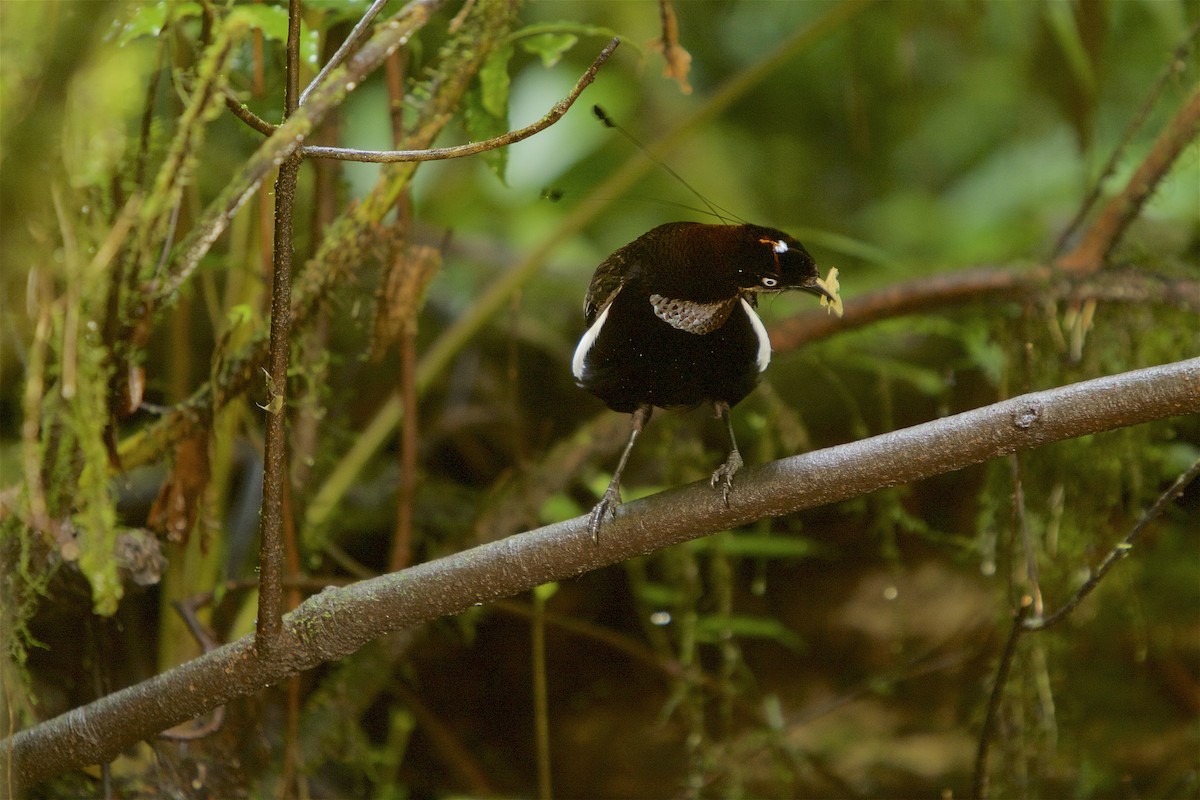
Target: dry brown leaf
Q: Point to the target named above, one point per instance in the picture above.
(679, 60)
(178, 503)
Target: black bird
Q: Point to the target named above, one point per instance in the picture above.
(671, 323)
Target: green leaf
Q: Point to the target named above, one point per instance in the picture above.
(926, 380)
(576, 29)
(659, 595)
(240, 315)
(273, 22)
(149, 19)
(713, 629)
(756, 545)
(984, 351)
(482, 125)
(549, 46)
(558, 507)
(487, 107)
(494, 82)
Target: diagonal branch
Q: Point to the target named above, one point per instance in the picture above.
(337, 622)
(1175, 66)
(1120, 551)
(950, 290)
(1116, 216)
(356, 35)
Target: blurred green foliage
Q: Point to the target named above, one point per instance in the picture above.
(845, 651)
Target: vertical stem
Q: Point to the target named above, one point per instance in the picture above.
(275, 474)
(979, 786)
(541, 702)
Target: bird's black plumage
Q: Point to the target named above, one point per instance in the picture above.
(671, 323)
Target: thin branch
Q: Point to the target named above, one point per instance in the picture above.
(950, 290)
(1123, 549)
(291, 73)
(979, 787)
(337, 622)
(440, 153)
(339, 55)
(1174, 67)
(243, 112)
(1104, 235)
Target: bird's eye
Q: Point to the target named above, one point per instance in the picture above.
(770, 282)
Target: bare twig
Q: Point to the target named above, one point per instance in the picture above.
(1174, 67)
(979, 787)
(1100, 240)
(440, 153)
(242, 112)
(339, 55)
(1124, 548)
(336, 622)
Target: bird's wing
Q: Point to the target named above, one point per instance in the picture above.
(610, 276)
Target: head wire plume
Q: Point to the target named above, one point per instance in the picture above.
(723, 214)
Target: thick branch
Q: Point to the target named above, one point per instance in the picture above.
(336, 622)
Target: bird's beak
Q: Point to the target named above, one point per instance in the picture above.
(813, 287)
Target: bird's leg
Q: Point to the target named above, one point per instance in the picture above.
(612, 496)
(723, 477)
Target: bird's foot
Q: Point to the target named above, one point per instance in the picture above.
(607, 505)
(723, 477)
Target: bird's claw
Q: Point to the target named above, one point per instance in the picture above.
(608, 503)
(723, 477)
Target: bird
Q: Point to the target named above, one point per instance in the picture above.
(671, 323)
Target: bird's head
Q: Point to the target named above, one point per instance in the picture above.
(769, 260)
